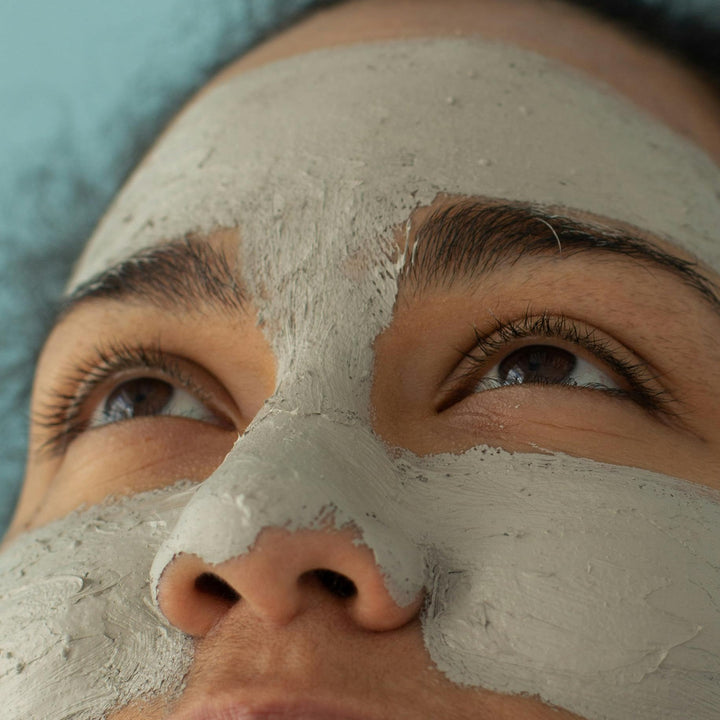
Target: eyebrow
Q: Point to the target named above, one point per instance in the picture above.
(469, 238)
(182, 275)
(455, 243)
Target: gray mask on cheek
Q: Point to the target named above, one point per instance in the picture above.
(79, 633)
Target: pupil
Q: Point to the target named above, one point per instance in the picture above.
(537, 364)
(142, 397)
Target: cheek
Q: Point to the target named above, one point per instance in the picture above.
(151, 710)
(126, 459)
(79, 632)
(576, 581)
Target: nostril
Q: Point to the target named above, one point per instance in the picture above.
(210, 584)
(283, 575)
(335, 583)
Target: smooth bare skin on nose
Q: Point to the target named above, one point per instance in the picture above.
(283, 575)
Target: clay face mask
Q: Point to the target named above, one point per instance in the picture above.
(79, 635)
(525, 557)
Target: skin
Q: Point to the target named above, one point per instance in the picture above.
(676, 332)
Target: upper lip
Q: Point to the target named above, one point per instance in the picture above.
(212, 709)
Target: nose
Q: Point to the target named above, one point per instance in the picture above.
(279, 578)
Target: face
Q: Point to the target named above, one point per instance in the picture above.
(388, 387)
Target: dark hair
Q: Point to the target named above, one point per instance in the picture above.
(688, 30)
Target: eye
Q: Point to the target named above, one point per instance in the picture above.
(148, 397)
(545, 365)
(553, 350)
(126, 382)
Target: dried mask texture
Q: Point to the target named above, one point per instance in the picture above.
(80, 634)
(593, 586)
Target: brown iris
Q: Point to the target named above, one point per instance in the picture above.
(141, 397)
(537, 364)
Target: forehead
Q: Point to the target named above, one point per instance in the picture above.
(332, 148)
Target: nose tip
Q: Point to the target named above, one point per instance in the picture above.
(277, 580)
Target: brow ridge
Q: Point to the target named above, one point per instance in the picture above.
(456, 243)
(471, 238)
(181, 275)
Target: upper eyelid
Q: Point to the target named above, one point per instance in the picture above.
(63, 409)
(565, 327)
(120, 358)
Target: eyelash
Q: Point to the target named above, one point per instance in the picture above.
(489, 346)
(63, 412)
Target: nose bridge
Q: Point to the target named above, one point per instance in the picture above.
(299, 472)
